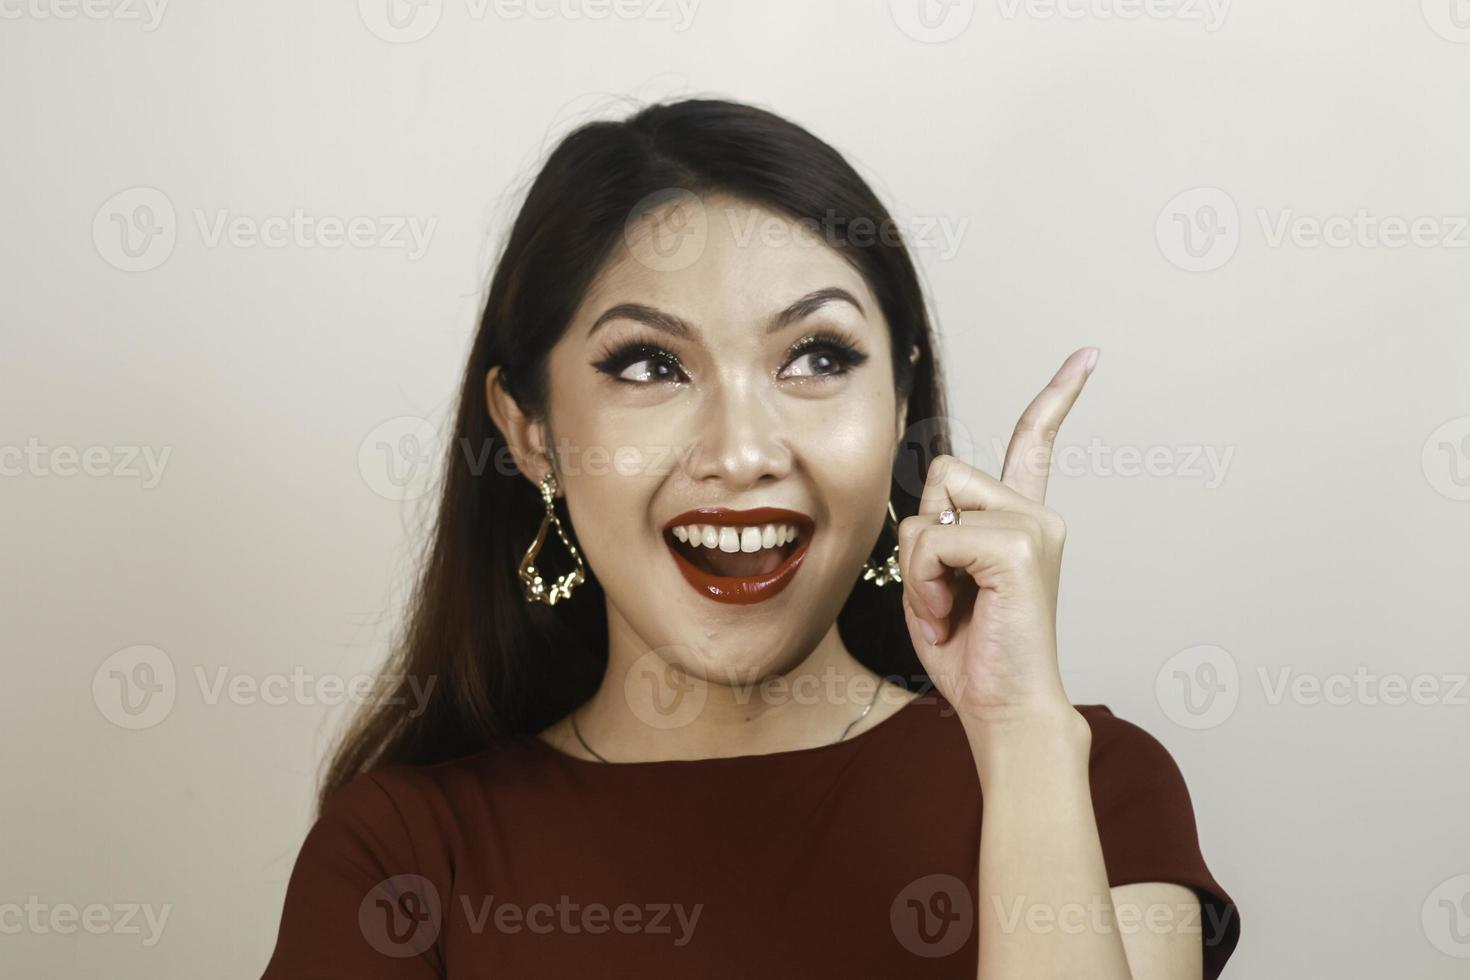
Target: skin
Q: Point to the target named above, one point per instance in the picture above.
(980, 601)
(741, 422)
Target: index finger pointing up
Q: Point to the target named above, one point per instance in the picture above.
(1028, 457)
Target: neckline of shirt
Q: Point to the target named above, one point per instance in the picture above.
(906, 710)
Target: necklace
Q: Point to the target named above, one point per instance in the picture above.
(866, 708)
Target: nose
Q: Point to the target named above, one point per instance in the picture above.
(740, 438)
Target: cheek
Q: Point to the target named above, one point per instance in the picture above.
(851, 461)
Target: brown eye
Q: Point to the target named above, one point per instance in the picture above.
(826, 355)
(640, 364)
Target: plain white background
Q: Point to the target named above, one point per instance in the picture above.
(216, 315)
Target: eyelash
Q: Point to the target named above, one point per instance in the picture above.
(843, 353)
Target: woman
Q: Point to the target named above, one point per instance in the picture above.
(733, 713)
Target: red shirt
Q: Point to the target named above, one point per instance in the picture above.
(855, 859)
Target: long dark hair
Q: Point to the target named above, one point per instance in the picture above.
(500, 665)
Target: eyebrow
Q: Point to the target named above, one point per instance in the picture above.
(670, 324)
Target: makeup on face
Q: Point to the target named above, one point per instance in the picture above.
(739, 556)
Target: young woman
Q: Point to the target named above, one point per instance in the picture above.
(733, 670)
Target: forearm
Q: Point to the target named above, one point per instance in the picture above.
(1044, 908)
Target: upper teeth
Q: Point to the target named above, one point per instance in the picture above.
(735, 538)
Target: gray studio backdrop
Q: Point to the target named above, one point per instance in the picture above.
(243, 252)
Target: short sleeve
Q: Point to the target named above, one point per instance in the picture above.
(359, 904)
(1146, 824)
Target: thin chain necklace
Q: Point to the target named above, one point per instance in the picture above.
(866, 708)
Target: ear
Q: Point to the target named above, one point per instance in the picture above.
(903, 405)
(525, 436)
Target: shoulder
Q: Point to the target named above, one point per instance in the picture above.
(1132, 773)
(1147, 827)
(1124, 747)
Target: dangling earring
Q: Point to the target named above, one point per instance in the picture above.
(532, 584)
(881, 575)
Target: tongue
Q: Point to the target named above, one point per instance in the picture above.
(735, 564)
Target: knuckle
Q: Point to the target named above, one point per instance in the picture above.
(1022, 545)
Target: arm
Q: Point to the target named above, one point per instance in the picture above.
(1046, 909)
(981, 564)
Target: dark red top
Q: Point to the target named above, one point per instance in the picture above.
(855, 859)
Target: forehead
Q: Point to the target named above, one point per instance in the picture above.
(719, 260)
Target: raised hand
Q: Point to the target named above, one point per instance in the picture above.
(980, 597)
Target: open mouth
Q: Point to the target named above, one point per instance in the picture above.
(739, 556)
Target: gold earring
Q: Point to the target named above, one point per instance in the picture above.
(881, 575)
(532, 584)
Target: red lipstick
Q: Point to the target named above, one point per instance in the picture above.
(750, 588)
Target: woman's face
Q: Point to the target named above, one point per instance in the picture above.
(726, 359)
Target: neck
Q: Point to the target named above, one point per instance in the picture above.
(648, 709)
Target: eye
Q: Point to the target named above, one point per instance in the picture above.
(654, 364)
(827, 355)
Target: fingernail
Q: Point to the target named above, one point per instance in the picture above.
(1091, 361)
(930, 633)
